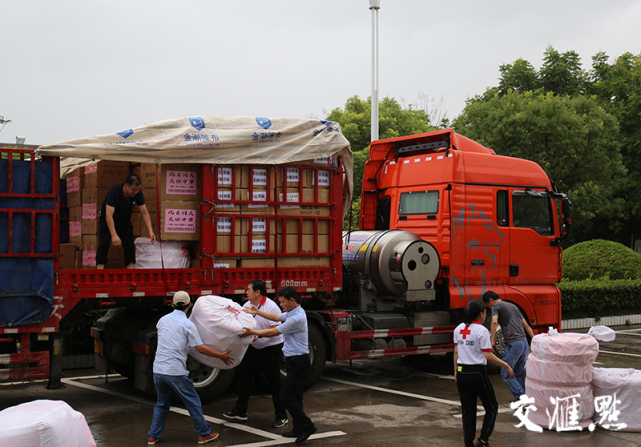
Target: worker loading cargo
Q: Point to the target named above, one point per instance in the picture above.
(114, 223)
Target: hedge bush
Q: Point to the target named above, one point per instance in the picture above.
(599, 259)
(600, 298)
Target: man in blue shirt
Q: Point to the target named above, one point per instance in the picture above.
(296, 351)
(114, 221)
(175, 335)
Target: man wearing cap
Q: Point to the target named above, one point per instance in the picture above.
(175, 335)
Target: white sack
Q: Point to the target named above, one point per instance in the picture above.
(44, 423)
(220, 321)
(602, 333)
(170, 254)
(626, 384)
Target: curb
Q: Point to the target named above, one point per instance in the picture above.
(582, 323)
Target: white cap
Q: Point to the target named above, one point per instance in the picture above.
(181, 298)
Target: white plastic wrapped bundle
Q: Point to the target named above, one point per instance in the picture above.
(559, 367)
(44, 423)
(625, 383)
(170, 254)
(220, 321)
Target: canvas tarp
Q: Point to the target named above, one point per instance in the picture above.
(213, 139)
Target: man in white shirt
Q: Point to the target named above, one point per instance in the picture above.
(263, 355)
(175, 335)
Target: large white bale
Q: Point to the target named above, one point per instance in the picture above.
(167, 254)
(552, 415)
(220, 321)
(625, 383)
(567, 347)
(44, 423)
(553, 373)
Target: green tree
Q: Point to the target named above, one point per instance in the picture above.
(562, 73)
(618, 86)
(393, 121)
(519, 76)
(572, 138)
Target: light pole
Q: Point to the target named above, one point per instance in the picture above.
(374, 6)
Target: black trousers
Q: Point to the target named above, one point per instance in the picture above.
(125, 231)
(255, 361)
(291, 393)
(472, 383)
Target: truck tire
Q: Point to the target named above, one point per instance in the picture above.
(498, 349)
(210, 382)
(317, 355)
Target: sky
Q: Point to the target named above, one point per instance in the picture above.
(77, 68)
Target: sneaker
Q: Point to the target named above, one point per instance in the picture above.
(280, 422)
(480, 443)
(152, 441)
(291, 434)
(235, 414)
(208, 438)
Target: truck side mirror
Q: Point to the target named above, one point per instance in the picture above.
(566, 218)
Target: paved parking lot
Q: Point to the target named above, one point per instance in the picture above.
(396, 402)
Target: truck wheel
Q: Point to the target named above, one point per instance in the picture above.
(210, 382)
(317, 355)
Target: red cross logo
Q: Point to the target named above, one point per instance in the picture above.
(465, 332)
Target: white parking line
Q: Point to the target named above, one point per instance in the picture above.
(415, 396)
(276, 439)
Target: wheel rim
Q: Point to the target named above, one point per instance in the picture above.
(203, 375)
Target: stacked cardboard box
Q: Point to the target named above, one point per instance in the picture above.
(259, 222)
(172, 192)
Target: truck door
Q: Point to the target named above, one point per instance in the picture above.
(485, 239)
(533, 260)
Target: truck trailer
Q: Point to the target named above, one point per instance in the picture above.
(442, 220)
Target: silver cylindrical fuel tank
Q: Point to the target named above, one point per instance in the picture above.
(398, 263)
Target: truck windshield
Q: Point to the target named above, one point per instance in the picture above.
(423, 202)
(532, 212)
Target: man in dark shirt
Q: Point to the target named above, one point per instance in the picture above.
(114, 222)
(514, 328)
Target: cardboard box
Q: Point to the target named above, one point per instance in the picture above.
(304, 261)
(259, 199)
(256, 263)
(136, 169)
(115, 256)
(241, 244)
(309, 178)
(325, 161)
(75, 225)
(223, 244)
(298, 207)
(259, 225)
(292, 241)
(258, 177)
(224, 224)
(76, 240)
(228, 175)
(105, 174)
(79, 259)
(229, 207)
(75, 185)
(291, 226)
(179, 220)
(68, 256)
(136, 222)
(292, 176)
(176, 182)
(92, 199)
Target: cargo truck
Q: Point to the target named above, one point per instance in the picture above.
(442, 219)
